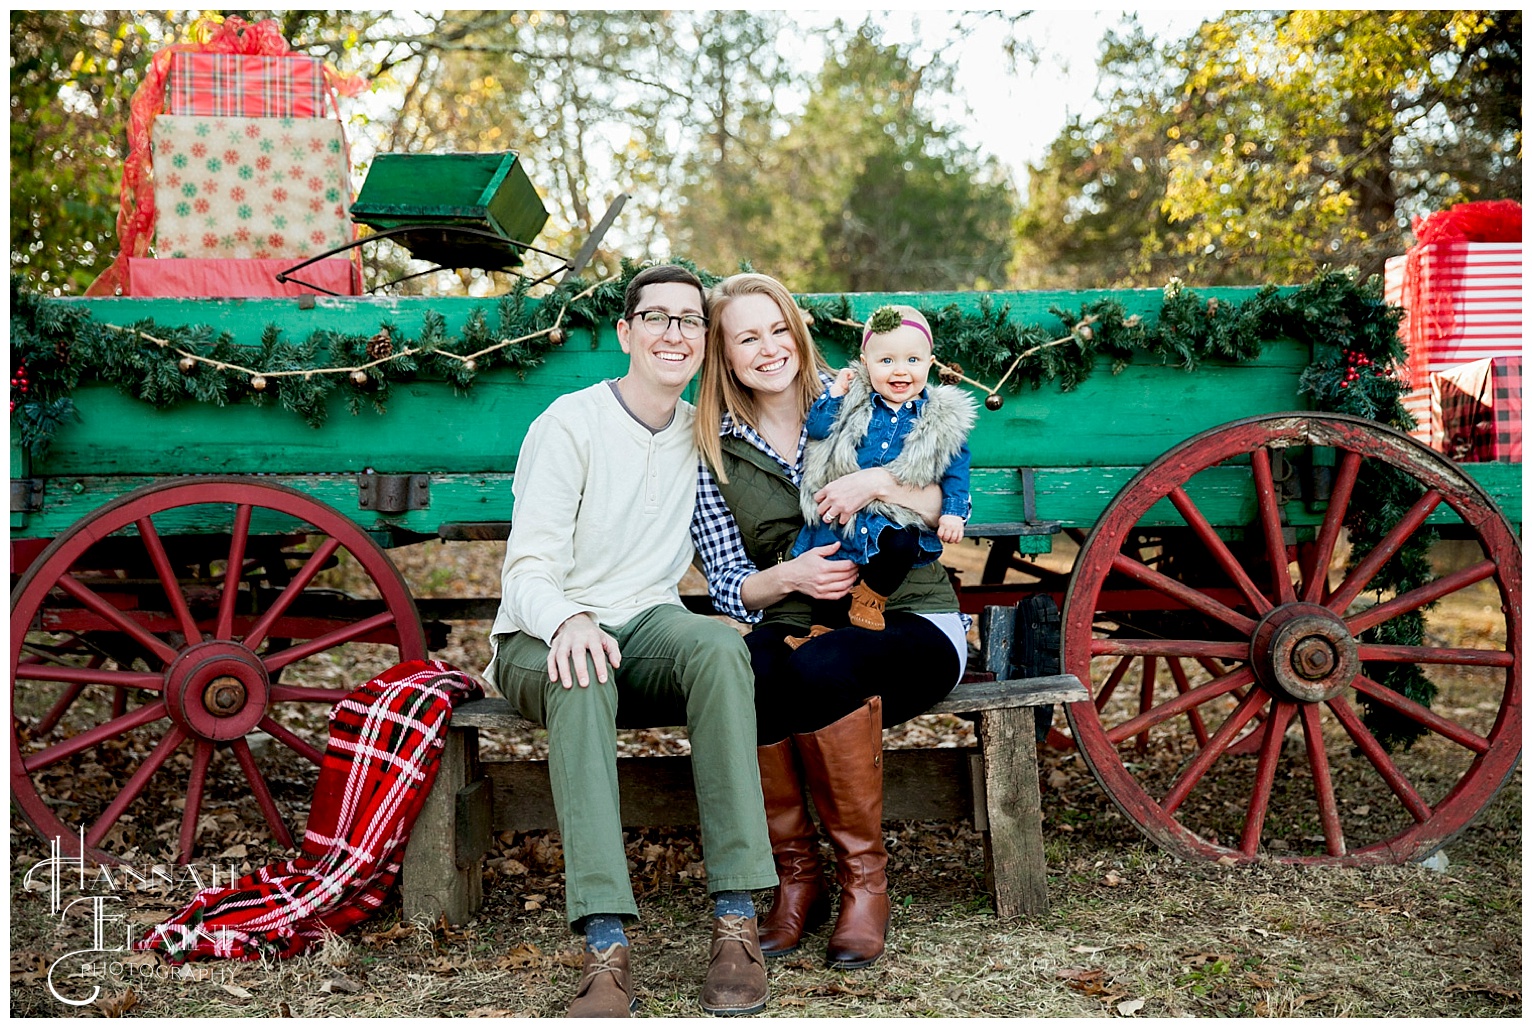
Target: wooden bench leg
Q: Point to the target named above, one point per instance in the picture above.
(444, 858)
(1012, 811)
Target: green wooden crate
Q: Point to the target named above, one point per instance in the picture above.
(429, 195)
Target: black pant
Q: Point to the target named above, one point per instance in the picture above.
(911, 664)
(898, 549)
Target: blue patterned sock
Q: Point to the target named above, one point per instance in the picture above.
(603, 931)
(733, 904)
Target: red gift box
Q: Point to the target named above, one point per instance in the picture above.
(232, 277)
(245, 86)
(1476, 411)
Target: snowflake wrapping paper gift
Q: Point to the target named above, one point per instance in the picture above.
(249, 187)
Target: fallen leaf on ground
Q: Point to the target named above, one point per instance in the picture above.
(1080, 974)
(488, 1012)
(523, 955)
(117, 1004)
(1113, 879)
(1129, 1007)
(344, 986)
(1493, 990)
(235, 990)
(1086, 949)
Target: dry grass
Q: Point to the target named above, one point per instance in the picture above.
(1131, 931)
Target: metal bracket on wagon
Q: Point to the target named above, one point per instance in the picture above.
(392, 494)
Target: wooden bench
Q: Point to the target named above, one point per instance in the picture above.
(994, 783)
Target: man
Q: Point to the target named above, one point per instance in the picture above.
(591, 631)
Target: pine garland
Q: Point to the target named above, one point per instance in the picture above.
(1353, 336)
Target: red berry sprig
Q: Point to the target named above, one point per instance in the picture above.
(19, 383)
(1355, 362)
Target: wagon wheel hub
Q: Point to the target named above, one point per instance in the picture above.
(217, 690)
(1304, 651)
(225, 695)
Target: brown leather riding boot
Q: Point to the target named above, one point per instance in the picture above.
(843, 765)
(802, 899)
(866, 607)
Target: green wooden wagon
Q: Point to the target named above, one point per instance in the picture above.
(187, 579)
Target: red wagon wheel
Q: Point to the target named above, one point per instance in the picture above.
(1283, 643)
(170, 631)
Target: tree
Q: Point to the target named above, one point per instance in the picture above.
(1268, 144)
(863, 191)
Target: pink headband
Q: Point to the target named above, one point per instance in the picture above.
(867, 333)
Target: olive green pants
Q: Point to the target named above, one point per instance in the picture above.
(677, 668)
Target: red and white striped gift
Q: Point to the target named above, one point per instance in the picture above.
(1465, 305)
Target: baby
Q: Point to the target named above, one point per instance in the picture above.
(878, 413)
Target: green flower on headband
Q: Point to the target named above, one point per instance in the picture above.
(885, 319)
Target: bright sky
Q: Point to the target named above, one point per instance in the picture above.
(1016, 115)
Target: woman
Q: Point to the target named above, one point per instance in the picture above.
(821, 708)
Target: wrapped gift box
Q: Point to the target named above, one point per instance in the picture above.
(249, 187)
(1469, 295)
(1476, 411)
(245, 86)
(229, 277)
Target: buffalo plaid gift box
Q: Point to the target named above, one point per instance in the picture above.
(245, 86)
(249, 187)
(1476, 411)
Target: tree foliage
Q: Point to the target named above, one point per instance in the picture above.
(864, 191)
(1272, 143)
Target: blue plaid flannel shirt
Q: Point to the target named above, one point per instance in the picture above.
(715, 533)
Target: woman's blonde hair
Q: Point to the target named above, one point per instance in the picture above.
(720, 390)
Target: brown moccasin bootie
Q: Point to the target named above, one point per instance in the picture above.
(867, 607)
(795, 641)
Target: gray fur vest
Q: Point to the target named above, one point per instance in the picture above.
(937, 437)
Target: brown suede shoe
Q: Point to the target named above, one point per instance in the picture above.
(736, 971)
(606, 987)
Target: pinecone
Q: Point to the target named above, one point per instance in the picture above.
(61, 350)
(380, 346)
(948, 375)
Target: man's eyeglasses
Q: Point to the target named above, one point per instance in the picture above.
(658, 322)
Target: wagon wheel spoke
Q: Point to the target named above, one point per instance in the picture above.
(303, 694)
(90, 676)
(291, 592)
(293, 741)
(1182, 703)
(1324, 787)
(1112, 681)
(194, 786)
(1145, 699)
(239, 538)
(135, 785)
(1220, 551)
(1373, 750)
(276, 661)
(1389, 545)
(50, 720)
(1438, 724)
(1212, 751)
(1435, 655)
(1199, 648)
(1271, 523)
(161, 561)
(1183, 686)
(1265, 773)
(1185, 594)
(261, 792)
(120, 619)
(1317, 575)
(1417, 598)
(94, 737)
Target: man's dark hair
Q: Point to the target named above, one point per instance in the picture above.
(656, 275)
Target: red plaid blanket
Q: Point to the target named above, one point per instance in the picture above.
(383, 754)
